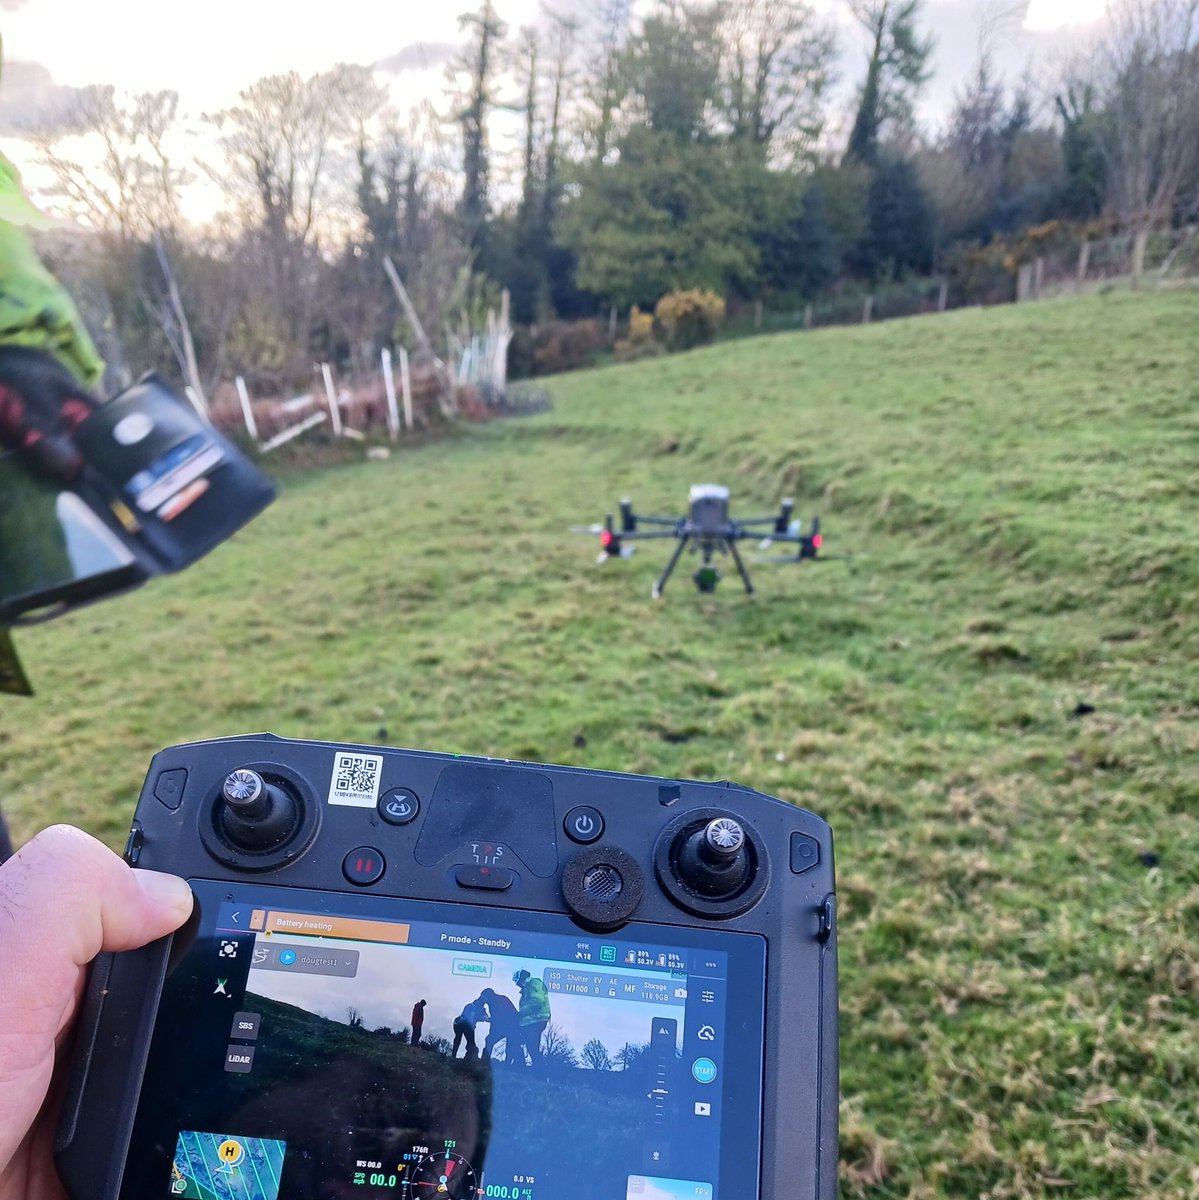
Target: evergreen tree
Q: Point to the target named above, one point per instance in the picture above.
(479, 63)
(667, 214)
(899, 238)
(1086, 175)
(800, 252)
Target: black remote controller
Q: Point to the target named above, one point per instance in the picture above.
(416, 975)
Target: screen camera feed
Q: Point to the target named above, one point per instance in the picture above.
(412, 1059)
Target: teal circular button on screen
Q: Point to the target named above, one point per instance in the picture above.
(704, 1069)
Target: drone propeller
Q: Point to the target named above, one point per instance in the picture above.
(589, 529)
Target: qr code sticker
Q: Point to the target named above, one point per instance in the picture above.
(355, 779)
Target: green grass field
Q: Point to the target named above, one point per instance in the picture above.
(1020, 487)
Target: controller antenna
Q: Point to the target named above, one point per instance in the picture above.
(714, 860)
(254, 814)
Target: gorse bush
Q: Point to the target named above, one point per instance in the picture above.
(641, 342)
(641, 326)
(689, 318)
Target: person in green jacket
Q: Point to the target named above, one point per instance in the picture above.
(49, 368)
(534, 1014)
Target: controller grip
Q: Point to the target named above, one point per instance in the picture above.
(112, 1041)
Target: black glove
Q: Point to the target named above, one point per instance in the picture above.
(41, 402)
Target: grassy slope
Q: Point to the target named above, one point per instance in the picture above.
(1020, 994)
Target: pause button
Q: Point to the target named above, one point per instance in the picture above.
(363, 865)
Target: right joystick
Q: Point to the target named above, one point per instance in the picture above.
(255, 814)
(714, 860)
(711, 863)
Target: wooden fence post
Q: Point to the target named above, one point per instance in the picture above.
(1038, 277)
(807, 316)
(406, 386)
(1024, 283)
(1139, 244)
(867, 310)
(943, 296)
(612, 326)
(757, 314)
(1084, 259)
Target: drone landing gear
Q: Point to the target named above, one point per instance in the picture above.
(749, 587)
(660, 582)
(706, 576)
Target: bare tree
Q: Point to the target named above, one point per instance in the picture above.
(286, 146)
(280, 142)
(605, 86)
(563, 38)
(130, 196)
(596, 1056)
(1148, 75)
(778, 61)
(132, 190)
(556, 1048)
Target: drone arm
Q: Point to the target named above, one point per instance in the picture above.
(643, 535)
(674, 522)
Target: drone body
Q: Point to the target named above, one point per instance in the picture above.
(707, 529)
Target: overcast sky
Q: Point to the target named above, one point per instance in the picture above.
(50, 45)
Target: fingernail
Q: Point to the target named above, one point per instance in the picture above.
(168, 891)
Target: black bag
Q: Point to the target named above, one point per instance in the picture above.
(159, 489)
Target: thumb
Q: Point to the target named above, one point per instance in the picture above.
(65, 897)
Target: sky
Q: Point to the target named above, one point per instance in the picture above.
(51, 45)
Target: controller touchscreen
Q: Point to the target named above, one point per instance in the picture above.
(310, 1045)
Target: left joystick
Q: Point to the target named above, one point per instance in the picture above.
(255, 814)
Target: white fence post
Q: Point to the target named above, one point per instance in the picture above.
(334, 410)
(389, 382)
(246, 411)
(194, 400)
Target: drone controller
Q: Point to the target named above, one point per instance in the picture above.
(415, 975)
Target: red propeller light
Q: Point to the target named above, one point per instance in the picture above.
(606, 538)
(817, 540)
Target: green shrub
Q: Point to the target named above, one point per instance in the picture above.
(689, 318)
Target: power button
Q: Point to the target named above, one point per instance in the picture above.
(583, 825)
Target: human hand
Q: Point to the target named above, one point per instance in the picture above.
(64, 898)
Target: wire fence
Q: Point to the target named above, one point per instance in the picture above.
(988, 277)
